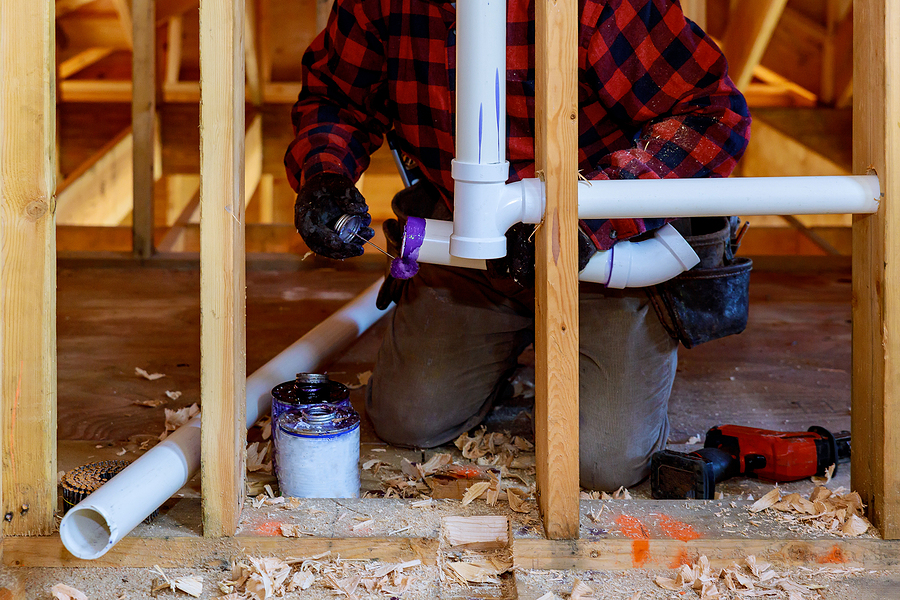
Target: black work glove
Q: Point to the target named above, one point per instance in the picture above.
(392, 288)
(321, 201)
(519, 260)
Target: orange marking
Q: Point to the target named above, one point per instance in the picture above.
(835, 555)
(640, 552)
(632, 527)
(678, 530)
(269, 528)
(682, 558)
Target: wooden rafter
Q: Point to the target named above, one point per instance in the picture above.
(750, 27)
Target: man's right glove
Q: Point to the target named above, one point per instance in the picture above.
(320, 203)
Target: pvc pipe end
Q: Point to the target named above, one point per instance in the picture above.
(86, 533)
(486, 248)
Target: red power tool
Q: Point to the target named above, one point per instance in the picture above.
(731, 450)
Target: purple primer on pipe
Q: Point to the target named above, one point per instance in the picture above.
(497, 103)
(406, 266)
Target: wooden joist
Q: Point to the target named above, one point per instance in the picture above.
(876, 277)
(556, 268)
(750, 26)
(28, 266)
(223, 368)
(143, 124)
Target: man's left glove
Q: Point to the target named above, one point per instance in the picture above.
(519, 260)
(321, 201)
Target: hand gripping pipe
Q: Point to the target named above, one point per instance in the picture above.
(98, 522)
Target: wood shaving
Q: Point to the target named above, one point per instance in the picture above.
(841, 514)
(581, 591)
(829, 473)
(150, 403)
(62, 591)
(475, 491)
(173, 394)
(146, 375)
(179, 417)
(516, 499)
(259, 457)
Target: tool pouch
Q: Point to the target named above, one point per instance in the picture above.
(711, 300)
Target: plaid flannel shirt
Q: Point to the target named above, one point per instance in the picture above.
(654, 95)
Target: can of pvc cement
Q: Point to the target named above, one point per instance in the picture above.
(317, 452)
(308, 388)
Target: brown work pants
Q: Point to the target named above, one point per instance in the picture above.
(455, 337)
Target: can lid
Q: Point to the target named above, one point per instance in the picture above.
(318, 420)
(309, 388)
(346, 226)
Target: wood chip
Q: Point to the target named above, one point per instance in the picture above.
(475, 491)
(471, 573)
(173, 394)
(150, 403)
(667, 583)
(581, 591)
(300, 580)
(191, 585)
(855, 526)
(772, 497)
(62, 591)
(516, 499)
(146, 375)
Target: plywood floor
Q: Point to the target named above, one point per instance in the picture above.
(789, 370)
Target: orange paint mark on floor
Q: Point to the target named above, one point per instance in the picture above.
(632, 527)
(834, 556)
(678, 530)
(269, 528)
(682, 558)
(640, 552)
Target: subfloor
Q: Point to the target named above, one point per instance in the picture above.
(788, 371)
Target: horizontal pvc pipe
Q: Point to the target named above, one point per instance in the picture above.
(98, 522)
(716, 196)
(627, 264)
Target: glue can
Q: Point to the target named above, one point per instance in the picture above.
(317, 452)
(308, 388)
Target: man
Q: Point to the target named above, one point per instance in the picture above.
(654, 101)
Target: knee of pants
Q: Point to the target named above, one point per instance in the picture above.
(611, 473)
(416, 416)
(609, 464)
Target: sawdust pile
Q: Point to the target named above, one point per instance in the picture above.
(261, 578)
(834, 512)
(751, 580)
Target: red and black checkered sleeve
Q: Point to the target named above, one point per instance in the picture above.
(340, 119)
(665, 83)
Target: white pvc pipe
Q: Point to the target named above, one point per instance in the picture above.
(716, 196)
(480, 169)
(98, 522)
(641, 264)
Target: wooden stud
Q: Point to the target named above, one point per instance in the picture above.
(28, 266)
(750, 27)
(174, 47)
(876, 276)
(695, 10)
(251, 55)
(82, 60)
(222, 290)
(143, 122)
(556, 266)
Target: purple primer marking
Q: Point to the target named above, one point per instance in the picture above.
(480, 129)
(406, 265)
(497, 103)
(612, 262)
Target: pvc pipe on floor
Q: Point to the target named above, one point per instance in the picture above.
(98, 522)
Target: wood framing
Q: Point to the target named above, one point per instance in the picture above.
(750, 27)
(556, 268)
(876, 277)
(143, 124)
(222, 291)
(28, 266)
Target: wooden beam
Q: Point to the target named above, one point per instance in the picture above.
(82, 60)
(100, 191)
(750, 27)
(876, 276)
(251, 54)
(695, 10)
(143, 121)
(556, 268)
(174, 46)
(768, 95)
(28, 266)
(123, 9)
(88, 90)
(281, 92)
(222, 290)
(64, 7)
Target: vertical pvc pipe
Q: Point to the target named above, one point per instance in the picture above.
(481, 81)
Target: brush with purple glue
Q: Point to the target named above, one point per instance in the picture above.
(413, 235)
(347, 226)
